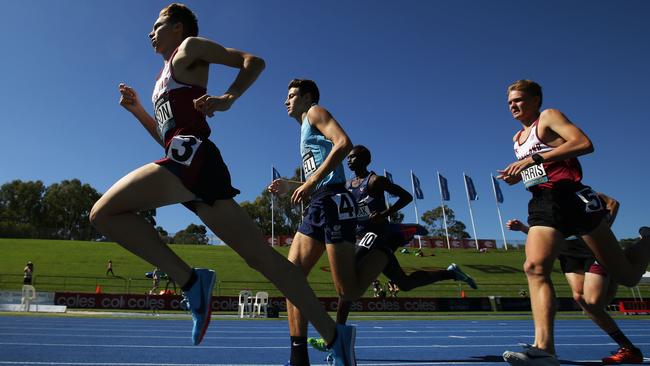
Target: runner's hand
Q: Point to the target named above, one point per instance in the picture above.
(279, 187)
(515, 225)
(129, 98)
(303, 192)
(209, 104)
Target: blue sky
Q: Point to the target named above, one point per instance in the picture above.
(421, 83)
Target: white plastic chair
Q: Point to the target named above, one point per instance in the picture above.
(245, 300)
(29, 294)
(261, 304)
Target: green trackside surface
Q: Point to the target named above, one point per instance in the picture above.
(81, 266)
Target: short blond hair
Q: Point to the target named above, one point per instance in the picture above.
(531, 88)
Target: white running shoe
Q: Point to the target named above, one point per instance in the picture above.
(531, 356)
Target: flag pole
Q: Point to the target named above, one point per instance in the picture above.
(387, 199)
(444, 215)
(471, 215)
(272, 212)
(415, 204)
(496, 201)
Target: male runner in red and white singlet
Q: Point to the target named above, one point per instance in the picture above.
(547, 148)
(192, 172)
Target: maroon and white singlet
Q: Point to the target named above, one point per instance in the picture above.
(548, 174)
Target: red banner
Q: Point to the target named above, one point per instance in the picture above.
(427, 242)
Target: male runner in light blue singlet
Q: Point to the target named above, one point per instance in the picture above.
(329, 221)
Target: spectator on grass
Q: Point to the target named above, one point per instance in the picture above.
(393, 289)
(28, 273)
(109, 268)
(377, 289)
(156, 274)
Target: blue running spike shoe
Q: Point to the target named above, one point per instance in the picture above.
(343, 347)
(317, 343)
(459, 275)
(198, 300)
(329, 359)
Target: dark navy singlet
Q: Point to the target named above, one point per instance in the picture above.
(366, 204)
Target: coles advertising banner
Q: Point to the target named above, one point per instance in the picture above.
(230, 303)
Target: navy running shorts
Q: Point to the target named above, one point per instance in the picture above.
(331, 215)
(385, 237)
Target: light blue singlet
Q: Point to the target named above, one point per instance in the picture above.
(314, 149)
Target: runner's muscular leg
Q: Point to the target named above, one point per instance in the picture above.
(233, 225)
(351, 279)
(304, 253)
(597, 296)
(542, 247)
(626, 267)
(114, 215)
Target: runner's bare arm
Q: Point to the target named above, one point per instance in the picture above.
(380, 185)
(195, 50)
(322, 120)
(130, 101)
(612, 206)
(570, 142)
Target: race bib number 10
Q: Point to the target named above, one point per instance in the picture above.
(183, 148)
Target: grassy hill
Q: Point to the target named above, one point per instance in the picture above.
(81, 266)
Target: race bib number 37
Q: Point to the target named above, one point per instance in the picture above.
(183, 149)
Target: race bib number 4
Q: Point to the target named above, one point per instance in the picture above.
(534, 175)
(345, 206)
(183, 149)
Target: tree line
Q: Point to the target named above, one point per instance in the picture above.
(29, 209)
(61, 211)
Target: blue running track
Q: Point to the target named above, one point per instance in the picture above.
(26, 340)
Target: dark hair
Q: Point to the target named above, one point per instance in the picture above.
(179, 13)
(306, 86)
(529, 87)
(362, 153)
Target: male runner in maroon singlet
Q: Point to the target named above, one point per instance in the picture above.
(592, 288)
(193, 172)
(547, 148)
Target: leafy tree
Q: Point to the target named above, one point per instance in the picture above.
(192, 234)
(434, 221)
(67, 208)
(287, 216)
(21, 209)
(164, 235)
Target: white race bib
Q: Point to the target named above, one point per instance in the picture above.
(183, 148)
(534, 175)
(591, 200)
(363, 210)
(308, 164)
(345, 205)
